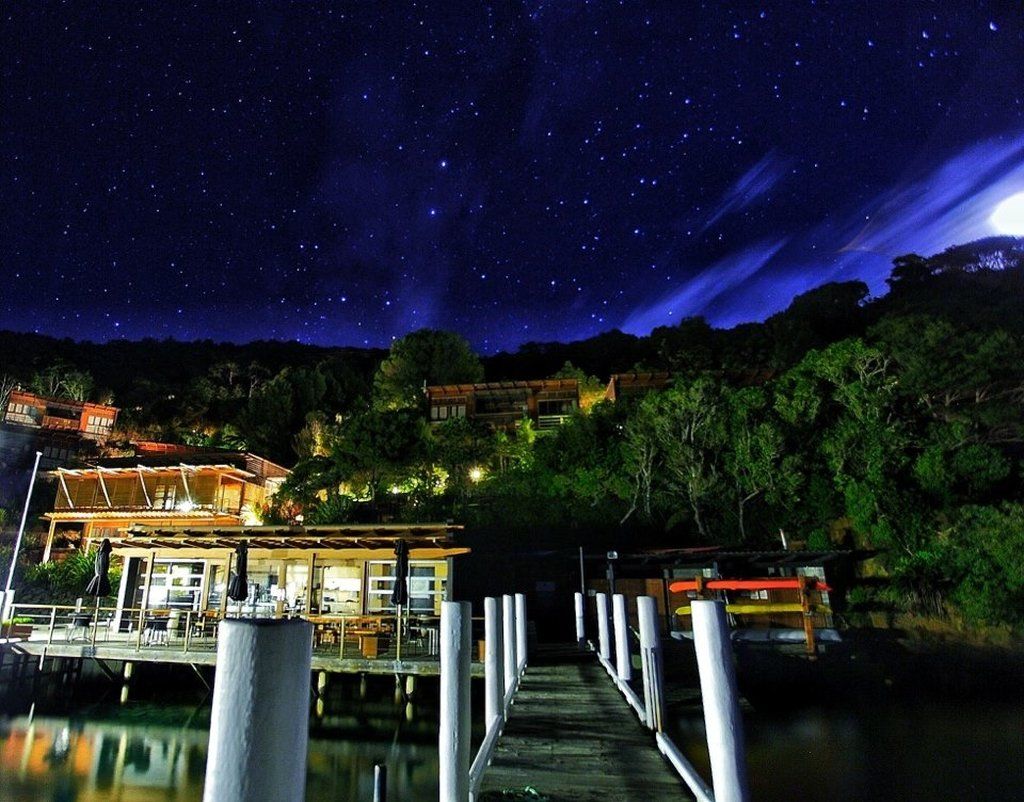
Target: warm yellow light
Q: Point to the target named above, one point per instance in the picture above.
(476, 473)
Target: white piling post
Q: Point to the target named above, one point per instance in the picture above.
(494, 668)
(581, 632)
(454, 736)
(508, 639)
(520, 634)
(721, 706)
(651, 660)
(259, 720)
(604, 648)
(380, 782)
(623, 660)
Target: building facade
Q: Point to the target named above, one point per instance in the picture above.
(62, 429)
(321, 571)
(546, 402)
(111, 495)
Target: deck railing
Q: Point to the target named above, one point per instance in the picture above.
(381, 636)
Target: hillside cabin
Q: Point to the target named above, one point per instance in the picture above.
(109, 496)
(546, 402)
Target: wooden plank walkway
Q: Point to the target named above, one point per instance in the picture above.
(571, 735)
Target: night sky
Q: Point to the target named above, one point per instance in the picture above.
(343, 173)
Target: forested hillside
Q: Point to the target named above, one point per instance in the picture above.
(893, 424)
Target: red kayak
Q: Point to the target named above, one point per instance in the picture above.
(769, 583)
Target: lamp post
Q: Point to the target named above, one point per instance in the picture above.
(21, 534)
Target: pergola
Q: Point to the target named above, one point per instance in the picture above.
(425, 541)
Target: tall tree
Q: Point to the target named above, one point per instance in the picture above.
(425, 357)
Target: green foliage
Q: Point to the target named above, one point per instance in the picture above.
(425, 357)
(64, 580)
(61, 380)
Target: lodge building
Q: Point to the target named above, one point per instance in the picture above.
(62, 429)
(177, 487)
(502, 405)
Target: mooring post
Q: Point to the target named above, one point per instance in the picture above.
(581, 632)
(604, 648)
(623, 659)
(651, 660)
(454, 735)
(494, 669)
(520, 634)
(721, 705)
(508, 624)
(259, 719)
(380, 782)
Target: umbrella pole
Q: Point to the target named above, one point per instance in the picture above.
(95, 620)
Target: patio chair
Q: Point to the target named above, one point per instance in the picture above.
(78, 626)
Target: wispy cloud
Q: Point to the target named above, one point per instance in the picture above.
(699, 292)
(949, 204)
(925, 211)
(757, 181)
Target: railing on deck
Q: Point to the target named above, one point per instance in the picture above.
(172, 630)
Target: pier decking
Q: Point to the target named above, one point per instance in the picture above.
(571, 736)
(338, 646)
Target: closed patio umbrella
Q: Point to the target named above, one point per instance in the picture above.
(238, 585)
(99, 585)
(400, 594)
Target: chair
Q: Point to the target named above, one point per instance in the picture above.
(78, 626)
(155, 631)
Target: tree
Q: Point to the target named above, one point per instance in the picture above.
(425, 357)
(688, 424)
(7, 385)
(61, 380)
(755, 457)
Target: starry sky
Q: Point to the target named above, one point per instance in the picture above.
(343, 173)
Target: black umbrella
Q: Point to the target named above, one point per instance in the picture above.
(99, 585)
(238, 586)
(400, 595)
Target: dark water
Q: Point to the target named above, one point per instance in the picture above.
(887, 749)
(932, 751)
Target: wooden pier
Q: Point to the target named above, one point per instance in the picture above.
(571, 735)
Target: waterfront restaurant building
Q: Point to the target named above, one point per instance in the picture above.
(313, 571)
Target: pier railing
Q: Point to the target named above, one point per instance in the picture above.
(717, 680)
(382, 636)
(461, 774)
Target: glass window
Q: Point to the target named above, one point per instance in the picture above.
(427, 579)
(341, 589)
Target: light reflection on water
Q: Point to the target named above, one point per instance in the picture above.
(62, 760)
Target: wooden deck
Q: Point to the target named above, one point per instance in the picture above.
(572, 736)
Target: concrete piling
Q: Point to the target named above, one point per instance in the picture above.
(581, 632)
(494, 667)
(623, 659)
(721, 706)
(508, 625)
(259, 721)
(604, 648)
(520, 633)
(454, 731)
(651, 660)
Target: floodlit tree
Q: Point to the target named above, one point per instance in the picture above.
(425, 357)
(61, 380)
(689, 428)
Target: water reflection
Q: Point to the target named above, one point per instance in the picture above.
(65, 760)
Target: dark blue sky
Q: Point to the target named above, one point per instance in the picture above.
(344, 173)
